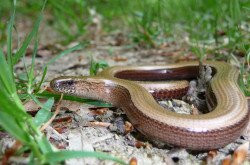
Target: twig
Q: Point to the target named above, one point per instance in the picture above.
(98, 124)
(54, 115)
(147, 35)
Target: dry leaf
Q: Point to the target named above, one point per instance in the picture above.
(210, 156)
(98, 124)
(139, 144)
(119, 59)
(10, 152)
(240, 154)
(67, 119)
(128, 127)
(133, 161)
(227, 160)
(98, 110)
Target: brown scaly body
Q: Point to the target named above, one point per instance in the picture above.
(213, 130)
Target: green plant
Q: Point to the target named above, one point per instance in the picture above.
(71, 22)
(95, 66)
(245, 75)
(147, 22)
(13, 117)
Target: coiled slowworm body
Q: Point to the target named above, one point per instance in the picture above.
(225, 123)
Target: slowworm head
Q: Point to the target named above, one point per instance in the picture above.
(78, 86)
(64, 85)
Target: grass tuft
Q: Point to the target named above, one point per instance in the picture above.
(13, 116)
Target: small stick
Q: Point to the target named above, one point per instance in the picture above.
(54, 115)
(99, 124)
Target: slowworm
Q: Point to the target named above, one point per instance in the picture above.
(225, 123)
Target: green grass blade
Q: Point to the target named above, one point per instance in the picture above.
(248, 58)
(38, 102)
(8, 91)
(6, 78)
(46, 94)
(45, 145)
(55, 157)
(31, 73)
(235, 11)
(44, 114)
(42, 79)
(67, 51)
(12, 127)
(32, 159)
(21, 52)
(12, 105)
(95, 66)
(9, 38)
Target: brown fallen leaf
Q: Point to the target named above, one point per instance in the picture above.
(227, 160)
(240, 154)
(210, 156)
(61, 128)
(119, 59)
(140, 144)
(98, 110)
(133, 161)
(10, 152)
(128, 127)
(67, 119)
(98, 124)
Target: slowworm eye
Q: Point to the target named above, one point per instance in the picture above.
(54, 84)
(62, 84)
(69, 82)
